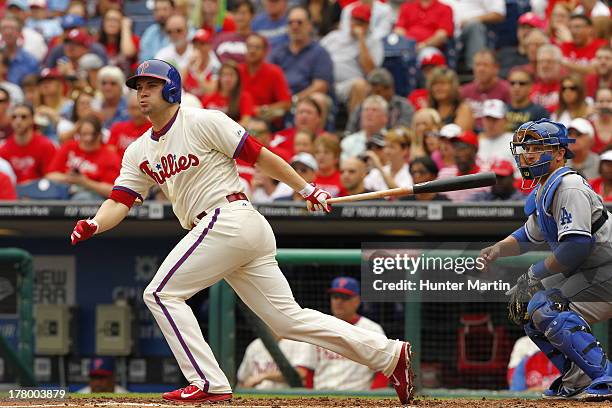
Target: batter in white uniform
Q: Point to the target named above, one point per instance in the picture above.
(189, 153)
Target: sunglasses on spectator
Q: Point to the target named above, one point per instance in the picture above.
(177, 31)
(570, 87)
(297, 22)
(20, 116)
(519, 83)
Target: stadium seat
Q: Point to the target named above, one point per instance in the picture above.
(400, 59)
(43, 189)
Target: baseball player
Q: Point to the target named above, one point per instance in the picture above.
(558, 298)
(189, 153)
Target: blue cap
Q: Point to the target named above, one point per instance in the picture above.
(345, 285)
(72, 21)
(101, 366)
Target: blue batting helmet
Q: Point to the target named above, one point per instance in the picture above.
(159, 69)
(543, 132)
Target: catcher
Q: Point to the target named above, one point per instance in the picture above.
(558, 298)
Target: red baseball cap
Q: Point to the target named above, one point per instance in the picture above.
(467, 137)
(502, 168)
(50, 73)
(431, 56)
(202, 36)
(532, 20)
(78, 36)
(362, 12)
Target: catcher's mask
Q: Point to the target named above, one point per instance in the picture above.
(539, 139)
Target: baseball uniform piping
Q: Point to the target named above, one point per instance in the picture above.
(240, 145)
(167, 313)
(129, 191)
(156, 135)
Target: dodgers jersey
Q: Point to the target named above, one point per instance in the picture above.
(333, 371)
(192, 162)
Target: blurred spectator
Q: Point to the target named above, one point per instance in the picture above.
(52, 101)
(230, 97)
(529, 368)
(472, 19)
(521, 109)
(31, 91)
(423, 169)
(374, 119)
(584, 161)
(494, 141)
(592, 8)
(353, 172)
(272, 23)
(396, 172)
(602, 119)
(42, 21)
(82, 107)
(180, 50)
(73, 44)
(535, 39)
(308, 117)
(113, 104)
(76, 45)
(355, 53)
(21, 61)
(558, 23)
(306, 166)
(86, 164)
(209, 18)
(87, 72)
(154, 38)
(486, 85)
(200, 76)
(466, 147)
(602, 77)
(603, 184)
(14, 90)
(581, 50)
(232, 45)
(264, 81)
(428, 60)
(264, 187)
(444, 157)
(327, 154)
(28, 152)
(325, 15)
(545, 92)
(400, 111)
(260, 130)
(7, 188)
(425, 124)
(381, 22)
(121, 44)
(428, 22)
(33, 42)
(7, 170)
(102, 377)
(572, 102)
(331, 370)
(122, 134)
(511, 56)
(5, 118)
(503, 189)
(445, 98)
(307, 66)
(304, 142)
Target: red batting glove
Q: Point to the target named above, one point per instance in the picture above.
(83, 230)
(316, 199)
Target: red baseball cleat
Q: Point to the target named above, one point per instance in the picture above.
(403, 376)
(193, 393)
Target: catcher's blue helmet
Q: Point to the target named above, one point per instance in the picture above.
(159, 69)
(543, 132)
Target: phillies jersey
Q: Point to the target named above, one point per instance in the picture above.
(100, 165)
(31, 161)
(257, 360)
(191, 159)
(122, 134)
(334, 372)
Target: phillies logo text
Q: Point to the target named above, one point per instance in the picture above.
(169, 166)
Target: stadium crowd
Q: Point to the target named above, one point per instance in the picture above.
(317, 82)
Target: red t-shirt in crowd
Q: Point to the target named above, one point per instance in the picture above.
(582, 55)
(7, 189)
(228, 25)
(102, 165)
(219, 102)
(598, 187)
(122, 134)
(546, 94)
(475, 97)
(29, 162)
(267, 85)
(331, 184)
(420, 23)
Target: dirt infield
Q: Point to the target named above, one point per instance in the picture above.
(311, 402)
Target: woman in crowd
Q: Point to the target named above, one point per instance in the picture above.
(230, 97)
(424, 169)
(444, 97)
(558, 24)
(395, 173)
(82, 107)
(572, 100)
(304, 141)
(122, 46)
(200, 77)
(602, 119)
(425, 123)
(327, 155)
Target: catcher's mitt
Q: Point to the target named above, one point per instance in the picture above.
(520, 295)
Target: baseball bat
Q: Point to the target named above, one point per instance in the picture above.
(435, 186)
